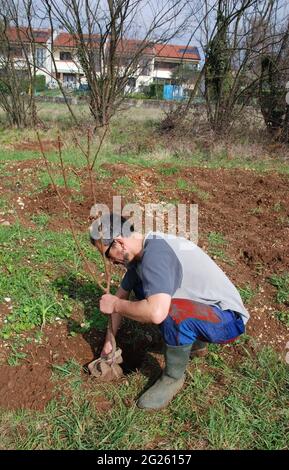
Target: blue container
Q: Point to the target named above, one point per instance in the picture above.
(173, 92)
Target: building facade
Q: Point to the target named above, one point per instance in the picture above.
(55, 57)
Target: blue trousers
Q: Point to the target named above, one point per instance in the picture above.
(189, 321)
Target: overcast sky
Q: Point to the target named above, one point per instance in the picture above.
(188, 23)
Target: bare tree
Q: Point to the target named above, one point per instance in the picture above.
(274, 66)
(113, 42)
(18, 65)
(234, 36)
(231, 48)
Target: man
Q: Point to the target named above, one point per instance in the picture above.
(178, 287)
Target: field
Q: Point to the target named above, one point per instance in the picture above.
(50, 324)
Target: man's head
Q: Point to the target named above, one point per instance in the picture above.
(119, 243)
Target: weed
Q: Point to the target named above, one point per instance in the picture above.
(41, 220)
(168, 170)
(72, 181)
(284, 220)
(282, 316)
(278, 207)
(247, 293)
(259, 268)
(217, 243)
(281, 282)
(124, 181)
(15, 356)
(256, 211)
(103, 173)
(182, 184)
(123, 184)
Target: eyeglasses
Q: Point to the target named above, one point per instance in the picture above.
(107, 251)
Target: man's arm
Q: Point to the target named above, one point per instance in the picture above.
(116, 321)
(154, 309)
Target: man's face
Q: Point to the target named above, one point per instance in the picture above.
(117, 252)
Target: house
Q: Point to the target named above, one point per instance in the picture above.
(139, 57)
(20, 48)
(68, 68)
(158, 61)
(168, 57)
(56, 57)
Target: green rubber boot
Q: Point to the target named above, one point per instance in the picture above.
(199, 349)
(171, 381)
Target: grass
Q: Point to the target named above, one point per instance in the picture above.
(72, 181)
(41, 220)
(229, 401)
(282, 316)
(248, 412)
(169, 170)
(16, 357)
(123, 184)
(247, 293)
(3, 204)
(217, 244)
(256, 211)
(32, 259)
(183, 185)
(133, 126)
(281, 282)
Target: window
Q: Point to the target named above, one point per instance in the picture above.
(64, 55)
(69, 78)
(40, 57)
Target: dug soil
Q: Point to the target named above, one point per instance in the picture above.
(251, 210)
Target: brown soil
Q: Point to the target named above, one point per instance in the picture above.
(30, 385)
(249, 209)
(25, 387)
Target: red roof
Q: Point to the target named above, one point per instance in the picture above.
(125, 46)
(23, 34)
(171, 51)
(128, 46)
(69, 40)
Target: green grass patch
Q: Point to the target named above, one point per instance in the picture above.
(217, 245)
(278, 207)
(256, 211)
(103, 173)
(282, 316)
(31, 274)
(3, 204)
(241, 405)
(183, 185)
(71, 181)
(123, 184)
(15, 357)
(169, 170)
(281, 282)
(41, 220)
(247, 293)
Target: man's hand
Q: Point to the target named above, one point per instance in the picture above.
(107, 304)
